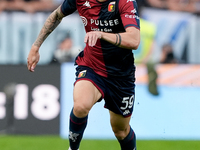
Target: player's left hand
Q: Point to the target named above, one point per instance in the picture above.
(92, 37)
(33, 58)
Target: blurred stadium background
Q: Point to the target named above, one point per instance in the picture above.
(34, 107)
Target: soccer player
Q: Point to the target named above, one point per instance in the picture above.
(105, 68)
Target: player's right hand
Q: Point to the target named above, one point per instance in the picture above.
(33, 58)
(92, 37)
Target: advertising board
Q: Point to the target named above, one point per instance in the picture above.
(30, 102)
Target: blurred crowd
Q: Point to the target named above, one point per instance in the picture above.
(32, 6)
(29, 6)
(65, 49)
(192, 6)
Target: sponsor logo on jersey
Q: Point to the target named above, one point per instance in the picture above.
(111, 7)
(103, 30)
(84, 20)
(104, 22)
(82, 74)
(87, 4)
(132, 16)
(133, 11)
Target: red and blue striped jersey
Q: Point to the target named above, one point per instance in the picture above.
(112, 16)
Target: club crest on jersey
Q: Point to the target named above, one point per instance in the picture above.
(82, 74)
(111, 7)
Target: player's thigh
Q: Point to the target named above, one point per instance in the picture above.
(119, 123)
(85, 94)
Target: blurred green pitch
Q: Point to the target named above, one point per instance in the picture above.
(57, 143)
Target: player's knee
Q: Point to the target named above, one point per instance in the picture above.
(80, 110)
(120, 134)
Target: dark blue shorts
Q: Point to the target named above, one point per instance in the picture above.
(118, 93)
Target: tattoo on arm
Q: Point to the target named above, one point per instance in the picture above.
(118, 40)
(51, 23)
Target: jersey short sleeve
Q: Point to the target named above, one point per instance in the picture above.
(129, 13)
(68, 7)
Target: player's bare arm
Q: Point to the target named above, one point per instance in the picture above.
(51, 23)
(129, 39)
